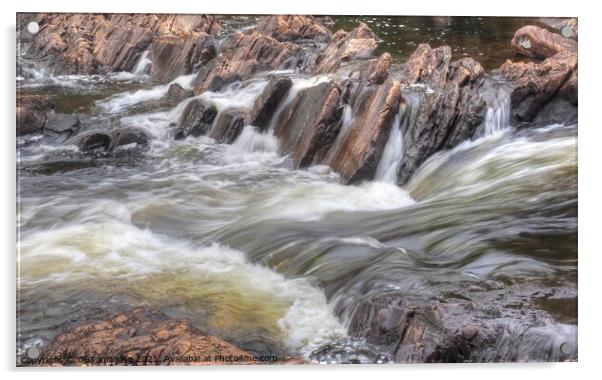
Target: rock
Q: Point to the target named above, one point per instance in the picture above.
(566, 27)
(197, 119)
(534, 41)
(292, 28)
(92, 141)
(446, 112)
(360, 43)
(243, 56)
(229, 125)
(83, 43)
(480, 328)
(545, 92)
(172, 56)
(176, 94)
(356, 157)
(309, 124)
(125, 136)
(32, 113)
(266, 104)
(381, 71)
(59, 126)
(140, 336)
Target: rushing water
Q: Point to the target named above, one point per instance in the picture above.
(270, 258)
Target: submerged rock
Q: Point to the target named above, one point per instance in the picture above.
(141, 336)
(32, 113)
(449, 108)
(543, 92)
(92, 141)
(126, 136)
(197, 119)
(309, 124)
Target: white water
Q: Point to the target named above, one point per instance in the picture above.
(497, 117)
(392, 154)
(143, 63)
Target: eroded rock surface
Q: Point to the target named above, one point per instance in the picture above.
(141, 336)
(360, 43)
(292, 28)
(197, 119)
(32, 113)
(543, 92)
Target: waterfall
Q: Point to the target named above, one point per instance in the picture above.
(497, 117)
(142, 64)
(392, 154)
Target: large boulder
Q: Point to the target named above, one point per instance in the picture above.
(243, 56)
(197, 119)
(291, 28)
(126, 136)
(176, 94)
(33, 112)
(309, 124)
(91, 141)
(448, 105)
(140, 336)
(543, 92)
(533, 41)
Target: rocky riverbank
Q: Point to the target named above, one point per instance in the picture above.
(350, 106)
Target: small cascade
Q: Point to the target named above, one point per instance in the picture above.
(392, 154)
(252, 140)
(143, 64)
(497, 117)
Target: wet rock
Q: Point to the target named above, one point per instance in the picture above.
(197, 119)
(566, 27)
(360, 43)
(533, 41)
(291, 28)
(243, 56)
(476, 329)
(141, 336)
(266, 104)
(381, 70)
(32, 113)
(126, 136)
(172, 56)
(229, 125)
(80, 43)
(92, 141)
(307, 127)
(59, 126)
(448, 105)
(356, 157)
(544, 92)
(176, 94)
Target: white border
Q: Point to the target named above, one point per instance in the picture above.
(590, 143)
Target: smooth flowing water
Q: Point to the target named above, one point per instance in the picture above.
(272, 259)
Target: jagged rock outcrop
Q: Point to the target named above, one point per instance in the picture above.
(32, 113)
(292, 28)
(360, 43)
(356, 157)
(309, 124)
(172, 56)
(459, 329)
(197, 119)
(141, 336)
(243, 56)
(99, 43)
(449, 108)
(266, 104)
(543, 92)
